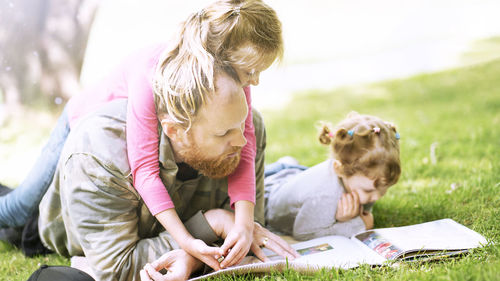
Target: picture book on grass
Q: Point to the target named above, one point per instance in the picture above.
(425, 241)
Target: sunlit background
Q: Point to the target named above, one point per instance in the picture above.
(327, 44)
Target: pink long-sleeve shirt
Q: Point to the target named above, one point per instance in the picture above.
(132, 80)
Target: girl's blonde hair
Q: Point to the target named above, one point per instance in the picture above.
(365, 144)
(226, 34)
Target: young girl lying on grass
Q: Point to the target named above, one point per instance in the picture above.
(335, 197)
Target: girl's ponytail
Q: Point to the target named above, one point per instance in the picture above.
(325, 135)
(193, 46)
(185, 73)
(243, 34)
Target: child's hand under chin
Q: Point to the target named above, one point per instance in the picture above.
(367, 218)
(348, 207)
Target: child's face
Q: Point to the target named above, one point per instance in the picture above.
(364, 187)
(250, 75)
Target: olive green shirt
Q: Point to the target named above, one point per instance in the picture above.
(91, 208)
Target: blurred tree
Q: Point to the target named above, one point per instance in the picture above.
(42, 45)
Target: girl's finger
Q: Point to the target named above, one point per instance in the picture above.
(144, 275)
(232, 257)
(228, 244)
(213, 263)
(348, 204)
(153, 274)
(356, 202)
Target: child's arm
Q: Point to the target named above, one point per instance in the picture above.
(241, 190)
(241, 183)
(142, 148)
(239, 239)
(142, 143)
(320, 217)
(316, 218)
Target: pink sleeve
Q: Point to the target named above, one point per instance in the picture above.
(142, 145)
(241, 183)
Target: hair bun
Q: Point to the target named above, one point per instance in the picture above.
(325, 135)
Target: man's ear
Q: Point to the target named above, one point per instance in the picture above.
(337, 167)
(172, 129)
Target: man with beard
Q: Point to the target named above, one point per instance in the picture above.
(92, 210)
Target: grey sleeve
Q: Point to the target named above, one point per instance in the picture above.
(316, 218)
(260, 137)
(199, 227)
(347, 228)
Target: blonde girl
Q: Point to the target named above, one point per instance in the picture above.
(335, 196)
(246, 36)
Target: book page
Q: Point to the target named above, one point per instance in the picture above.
(378, 244)
(444, 234)
(370, 247)
(332, 251)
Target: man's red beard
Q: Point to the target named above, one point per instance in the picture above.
(217, 168)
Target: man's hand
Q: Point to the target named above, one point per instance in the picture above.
(348, 207)
(178, 263)
(273, 242)
(367, 218)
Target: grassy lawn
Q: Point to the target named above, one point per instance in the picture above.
(456, 112)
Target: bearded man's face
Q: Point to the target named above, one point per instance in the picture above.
(212, 145)
(212, 167)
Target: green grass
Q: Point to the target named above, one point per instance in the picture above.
(457, 111)
(15, 266)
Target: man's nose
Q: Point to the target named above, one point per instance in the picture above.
(238, 139)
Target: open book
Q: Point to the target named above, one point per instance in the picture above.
(435, 239)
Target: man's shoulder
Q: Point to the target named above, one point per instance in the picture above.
(101, 136)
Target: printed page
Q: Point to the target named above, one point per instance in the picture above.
(378, 244)
(324, 252)
(444, 234)
(332, 251)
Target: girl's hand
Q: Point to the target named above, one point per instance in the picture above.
(195, 247)
(348, 207)
(222, 221)
(178, 263)
(367, 218)
(237, 244)
(208, 255)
